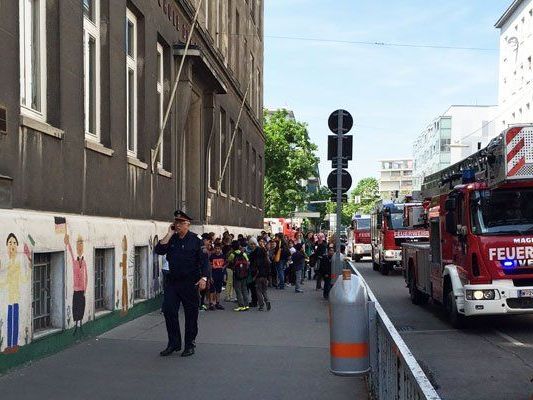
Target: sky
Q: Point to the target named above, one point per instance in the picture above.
(393, 92)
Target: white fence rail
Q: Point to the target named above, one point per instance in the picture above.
(394, 372)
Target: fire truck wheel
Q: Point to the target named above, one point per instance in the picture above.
(417, 297)
(457, 320)
(384, 268)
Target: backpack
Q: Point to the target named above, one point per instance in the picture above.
(285, 253)
(240, 266)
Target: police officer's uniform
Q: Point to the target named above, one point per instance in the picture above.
(187, 265)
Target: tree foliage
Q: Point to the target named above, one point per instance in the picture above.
(365, 194)
(367, 191)
(289, 158)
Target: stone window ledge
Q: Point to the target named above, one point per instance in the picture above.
(47, 332)
(164, 172)
(102, 313)
(136, 162)
(42, 127)
(98, 148)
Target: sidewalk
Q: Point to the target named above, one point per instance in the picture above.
(281, 354)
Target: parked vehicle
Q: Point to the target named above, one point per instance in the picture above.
(281, 225)
(360, 237)
(479, 260)
(389, 228)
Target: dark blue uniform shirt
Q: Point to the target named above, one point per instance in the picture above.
(185, 257)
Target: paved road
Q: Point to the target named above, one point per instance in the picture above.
(492, 359)
(281, 354)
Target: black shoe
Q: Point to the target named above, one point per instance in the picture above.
(189, 351)
(268, 306)
(169, 350)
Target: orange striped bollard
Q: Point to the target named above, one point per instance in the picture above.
(348, 323)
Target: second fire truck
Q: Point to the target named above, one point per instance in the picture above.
(479, 260)
(394, 223)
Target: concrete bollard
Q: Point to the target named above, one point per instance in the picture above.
(348, 324)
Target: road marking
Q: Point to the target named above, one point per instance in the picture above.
(511, 339)
(429, 331)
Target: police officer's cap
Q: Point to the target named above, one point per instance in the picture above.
(178, 214)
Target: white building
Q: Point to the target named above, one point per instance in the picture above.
(396, 177)
(451, 137)
(516, 49)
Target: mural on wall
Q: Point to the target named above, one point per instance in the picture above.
(15, 278)
(124, 266)
(79, 269)
(49, 234)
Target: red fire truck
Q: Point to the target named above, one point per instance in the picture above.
(392, 224)
(360, 237)
(479, 259)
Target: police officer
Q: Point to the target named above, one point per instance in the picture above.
(188, 273)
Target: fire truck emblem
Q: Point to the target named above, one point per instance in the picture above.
(519, 144)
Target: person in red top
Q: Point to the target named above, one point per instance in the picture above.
(79, 273)
(218, 264)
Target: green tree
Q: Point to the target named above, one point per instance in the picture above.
(289, 158)
(367, 193)
(362, 200)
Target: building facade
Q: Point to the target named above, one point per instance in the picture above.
(395, 177)
(451, 137)
(515, 94)
(83, 99)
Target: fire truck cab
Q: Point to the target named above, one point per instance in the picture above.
(360, 237)
(479, 260)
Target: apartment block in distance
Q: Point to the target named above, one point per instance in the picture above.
(396, 177)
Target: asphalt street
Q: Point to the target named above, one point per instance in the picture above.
(281, 354)
(492, 359)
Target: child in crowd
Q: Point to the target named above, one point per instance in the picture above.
(218, 264)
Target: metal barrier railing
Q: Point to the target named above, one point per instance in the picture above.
(394, 372)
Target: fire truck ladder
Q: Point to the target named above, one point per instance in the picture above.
(483, 165)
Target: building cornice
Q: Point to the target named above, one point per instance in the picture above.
(189, 9)
(508, 13)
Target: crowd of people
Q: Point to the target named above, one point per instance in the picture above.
(243, 269)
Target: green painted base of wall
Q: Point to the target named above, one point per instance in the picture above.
(56, 342)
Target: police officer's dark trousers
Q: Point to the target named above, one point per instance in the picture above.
(181, 291)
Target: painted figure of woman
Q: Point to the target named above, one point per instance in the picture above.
(79, 269)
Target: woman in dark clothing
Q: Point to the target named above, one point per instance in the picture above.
(252, 254)
(325, 270)
(284, 257)
(260, 268)
(321, 249)
(298, 265)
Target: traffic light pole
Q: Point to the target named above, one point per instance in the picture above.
(336, 267)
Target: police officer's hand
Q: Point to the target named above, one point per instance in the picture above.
(170, 230)
(201, 284)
